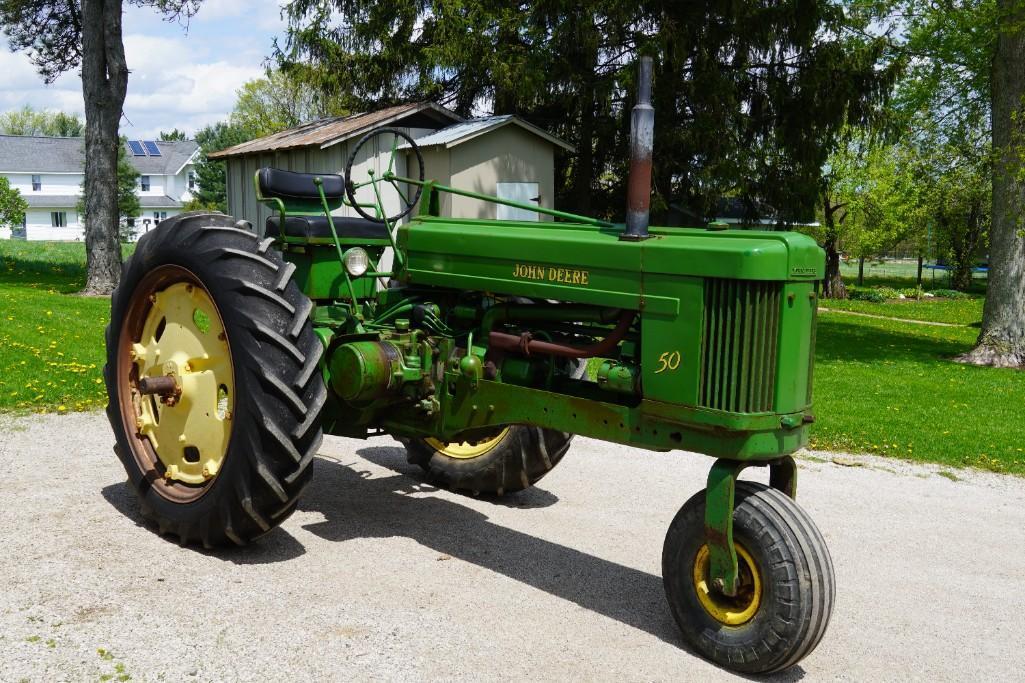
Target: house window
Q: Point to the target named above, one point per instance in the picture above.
(159, 216)
(59, 219)
(37, 183)
(192, 181)
(144, 182)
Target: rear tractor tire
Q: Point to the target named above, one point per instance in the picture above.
(785, 583)
(511, 458)
(215, 395)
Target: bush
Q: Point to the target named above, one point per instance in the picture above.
(912, 292)
(950, 294)
(873, 295)
(888, 292)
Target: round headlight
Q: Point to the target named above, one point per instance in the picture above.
(356, 261)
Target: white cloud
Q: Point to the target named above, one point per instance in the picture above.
(180, 77)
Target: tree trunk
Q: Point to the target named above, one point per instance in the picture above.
(861, 271)
(921, 259)
(104, 83)
(833, 286)
(1002, 339)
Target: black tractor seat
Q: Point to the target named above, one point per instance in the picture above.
(312, 227)
(275, 183)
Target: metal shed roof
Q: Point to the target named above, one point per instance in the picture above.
(467, 130)
(326, 132)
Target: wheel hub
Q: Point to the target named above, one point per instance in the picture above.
(184, 388)
(727, 610)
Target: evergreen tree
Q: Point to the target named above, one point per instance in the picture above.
(211, 176)
(749, 97)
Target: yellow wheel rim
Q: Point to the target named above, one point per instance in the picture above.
(183, 338)
(466, 450)
(730, 611)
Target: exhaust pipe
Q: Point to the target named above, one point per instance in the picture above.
(642, 136)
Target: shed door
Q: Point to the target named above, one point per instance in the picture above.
(525, 193)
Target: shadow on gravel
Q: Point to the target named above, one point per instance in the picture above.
(355, 506)
(277, 546)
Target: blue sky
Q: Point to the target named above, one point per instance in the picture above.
(181, 76)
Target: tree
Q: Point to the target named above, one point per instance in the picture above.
(29, 121)
(749, 97)
(279, 101)
(211, 192)
(128, 206)
(61, 35)
(1002, 338)
(872, 199)
(968, 73)
(172, 136)
(12, 205)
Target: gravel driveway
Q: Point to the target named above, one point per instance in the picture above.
(380, 576)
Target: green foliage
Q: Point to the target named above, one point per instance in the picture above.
(750, 97)
(173, 135)
(30, 121)
(912, 292)
(950, 294)
(211, 176)
(12, 205)
(873, 295)
(279, 101)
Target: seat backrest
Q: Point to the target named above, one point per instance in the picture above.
(275, 183)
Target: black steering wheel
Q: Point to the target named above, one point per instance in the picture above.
(407, 202)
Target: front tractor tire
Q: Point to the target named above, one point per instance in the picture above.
(785, 583)
(215, 395)
(506, 460)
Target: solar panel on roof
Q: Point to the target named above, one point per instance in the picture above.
(136, 148)
(151, 148)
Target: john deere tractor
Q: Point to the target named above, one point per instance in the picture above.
(483, 348)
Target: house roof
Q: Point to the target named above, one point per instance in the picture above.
(158, 202)
(65, 201)
(467, 130)
(327, 132)
(51, 201)
(36, 154)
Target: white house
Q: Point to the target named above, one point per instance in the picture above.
(49, 172)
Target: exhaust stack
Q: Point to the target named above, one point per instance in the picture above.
(642, 136)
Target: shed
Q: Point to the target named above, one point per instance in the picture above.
(498, 155)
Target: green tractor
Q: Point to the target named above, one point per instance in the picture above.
(231, 354)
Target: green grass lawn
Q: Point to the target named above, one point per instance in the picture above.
(953, 311)
(889, 388)
(51, 341)
(881, 386)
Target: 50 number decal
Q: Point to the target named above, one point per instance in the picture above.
(670, 360)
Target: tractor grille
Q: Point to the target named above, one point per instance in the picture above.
(738, 349)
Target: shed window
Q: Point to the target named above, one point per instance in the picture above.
(37, 183)
(59, 219)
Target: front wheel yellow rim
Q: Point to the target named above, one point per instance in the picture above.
(467, 450)
(729, 611)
